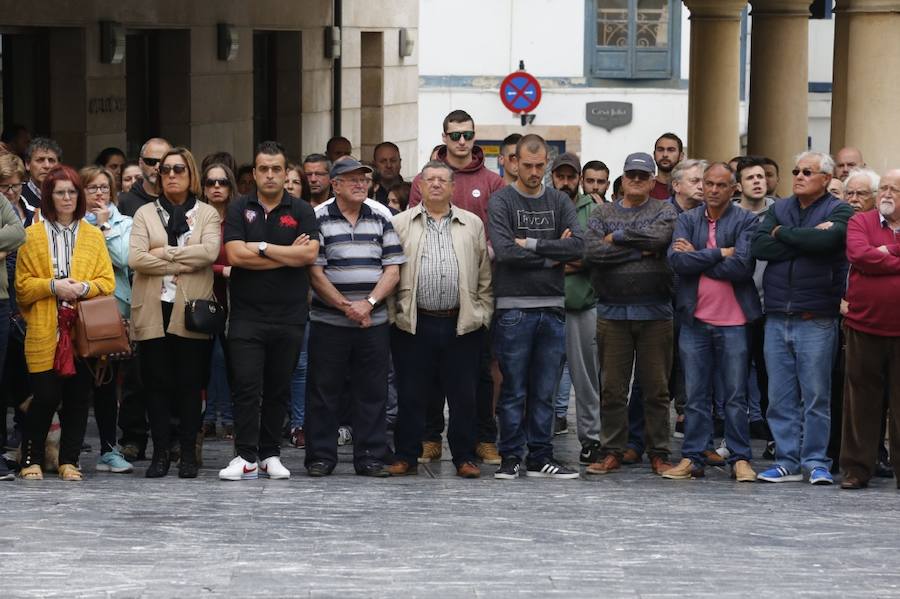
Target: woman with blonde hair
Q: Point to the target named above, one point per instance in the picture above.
(174, 242)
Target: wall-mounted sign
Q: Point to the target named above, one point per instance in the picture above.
(609, 115)
(106, 104)
(520, 92)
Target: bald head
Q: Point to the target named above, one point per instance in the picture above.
(846, 160)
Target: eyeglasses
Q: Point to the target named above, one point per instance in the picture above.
(806, 172)
(97, 188)
(65, 193)
(149, 161)
(467, 135)
(13, 187)
(862, 194)
(357, 181)
(219, 182)
(637, 175)
(179, 169)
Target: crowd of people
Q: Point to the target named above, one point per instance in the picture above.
(359, 304)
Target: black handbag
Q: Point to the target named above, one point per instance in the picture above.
(204, 316)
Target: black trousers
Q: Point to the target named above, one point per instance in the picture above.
(484, 402)
(175, 370)
(436, 353)
(757, 334)
(49, 391)
(133, 408)
(357, 358)
(106, 410)
(262, 358)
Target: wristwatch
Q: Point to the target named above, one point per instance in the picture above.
(105, 227)
(372, 301)
(262, 248)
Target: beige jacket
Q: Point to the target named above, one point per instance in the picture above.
(476, 300)
(200, 252)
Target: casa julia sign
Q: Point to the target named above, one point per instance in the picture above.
(609, 115)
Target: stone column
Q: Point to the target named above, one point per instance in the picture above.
(714, 84)
(779, 82)
(839, 76)
(873, 81)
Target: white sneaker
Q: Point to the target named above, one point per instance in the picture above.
(239, 469)
(273, 468)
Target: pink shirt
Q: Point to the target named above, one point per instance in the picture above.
(716, 303)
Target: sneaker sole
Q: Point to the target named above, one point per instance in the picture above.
(274, 476)
(537, 474)
(253, 476)
(504, 476)
(821, 482)
(790, 478)
(105, 468)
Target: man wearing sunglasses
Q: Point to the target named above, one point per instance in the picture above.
(473, 185)
(626, 244)
(803, 238)
(146, 190)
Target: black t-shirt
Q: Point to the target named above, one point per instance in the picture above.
(276, 296)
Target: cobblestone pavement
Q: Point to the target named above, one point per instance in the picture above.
(629, 534)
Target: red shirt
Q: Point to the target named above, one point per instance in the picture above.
(660, 190)
(874, 284)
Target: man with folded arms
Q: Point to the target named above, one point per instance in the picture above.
(873, 335)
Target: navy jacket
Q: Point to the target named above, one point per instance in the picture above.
(735, 228)
(807, 270)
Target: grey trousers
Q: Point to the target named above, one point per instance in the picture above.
(584, 367)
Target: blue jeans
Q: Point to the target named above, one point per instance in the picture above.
(218, 393)
(799, 354)
(529, 346)
(561, 405)
(298, 385)
(715, 357)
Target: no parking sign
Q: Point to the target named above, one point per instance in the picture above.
(520, 92)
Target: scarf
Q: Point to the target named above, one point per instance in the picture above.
(177, 222)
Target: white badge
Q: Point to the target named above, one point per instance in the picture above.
(476, 193)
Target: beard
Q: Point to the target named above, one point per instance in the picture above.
(886, 207)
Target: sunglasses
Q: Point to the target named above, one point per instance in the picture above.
(638, 175)
(179, 169)
(219, 182)
(806, 172)
(149, 161)
(467, 135)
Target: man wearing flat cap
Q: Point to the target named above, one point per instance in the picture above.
(625, 248)
(358, 267)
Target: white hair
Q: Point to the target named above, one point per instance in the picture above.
(686, 165)
(867, 173)
(826, 162)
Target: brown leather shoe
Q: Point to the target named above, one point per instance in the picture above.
(403, 468)
(659, 464)
(468, 470)
(712, 458)
(488, 453)
(609, 464)
(631, 457)
(431, 452)
(853, 482)
(742, 472)
(684, 470)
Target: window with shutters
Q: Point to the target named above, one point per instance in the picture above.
(633, 39)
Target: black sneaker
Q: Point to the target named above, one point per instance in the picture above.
(769, 452)
(373, 469)
(318, 469)
(509, 468)
(560, 425)
(590, 453)
(5, 472)
(550, 468)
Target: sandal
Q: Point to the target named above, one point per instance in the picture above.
(32, 472)
(69, 472)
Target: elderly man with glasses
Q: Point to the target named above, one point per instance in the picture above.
(803, 238)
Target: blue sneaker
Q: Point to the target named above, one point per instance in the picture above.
(113, 461)
(779, 474)
(820, 476)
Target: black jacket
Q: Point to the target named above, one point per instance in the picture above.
(130, 201)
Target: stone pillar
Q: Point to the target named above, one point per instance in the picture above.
(873, 83)
(713, 103)
(779, 82)
(839, 76)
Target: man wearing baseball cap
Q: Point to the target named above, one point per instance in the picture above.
(581, 321)
(349, 336)
(626, 244)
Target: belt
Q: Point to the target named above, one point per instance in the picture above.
(452, 313)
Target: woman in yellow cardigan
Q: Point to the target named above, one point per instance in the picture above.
(63, 260)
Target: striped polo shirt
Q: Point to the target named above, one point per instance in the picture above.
(354, 258)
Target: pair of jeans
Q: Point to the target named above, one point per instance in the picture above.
(799, 354)
(530, 346)
(298, 384)
(263, 357)
(452, 360)
(218, 391)
(563, 391)
(645, 348)
(341, 358)
(708, 353)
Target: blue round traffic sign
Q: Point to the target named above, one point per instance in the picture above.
(520, 92)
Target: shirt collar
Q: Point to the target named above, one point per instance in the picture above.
(34, 188)
(286, 200)
(334, 210)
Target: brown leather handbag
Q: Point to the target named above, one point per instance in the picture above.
(100, 330)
